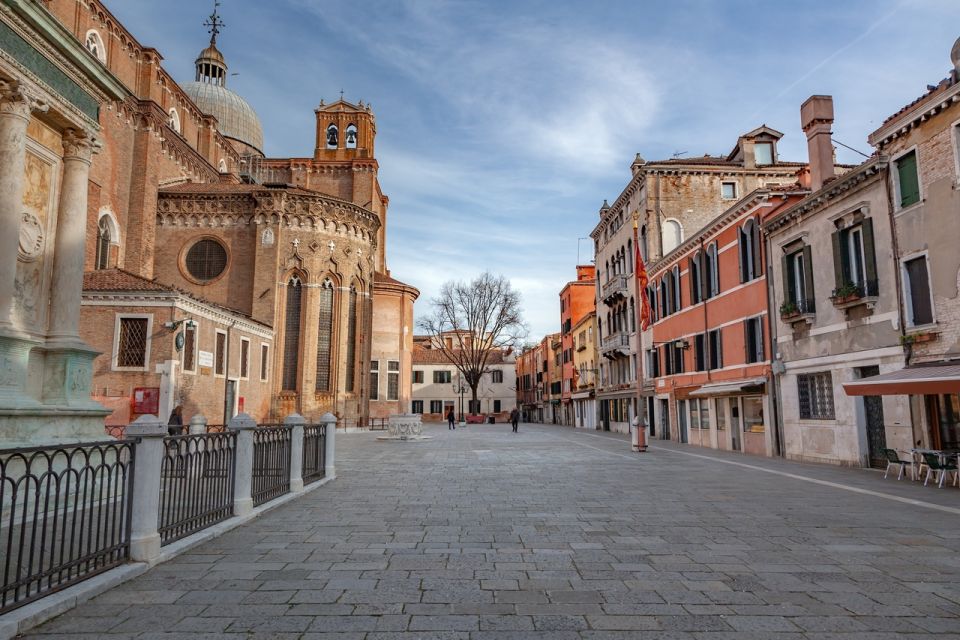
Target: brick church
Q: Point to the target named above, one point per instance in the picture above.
(218, 278)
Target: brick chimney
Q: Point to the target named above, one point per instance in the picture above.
(816, 118)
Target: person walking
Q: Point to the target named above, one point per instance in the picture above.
(515, 419)
(450, 419)
(175, 423)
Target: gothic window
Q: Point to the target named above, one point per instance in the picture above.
(174, 120)
(103, 244)
(672, 235)
(291, 334)
(206, 260)
(351, 136)
(333, 137)
(749, 245)
(351, 339)
(94, 44)
(325, 337)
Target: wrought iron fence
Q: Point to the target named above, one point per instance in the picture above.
(314, 452)
(196, 483)
(271, 463)
(65, 516)
(117, 431)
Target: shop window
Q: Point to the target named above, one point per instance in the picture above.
(753, 414)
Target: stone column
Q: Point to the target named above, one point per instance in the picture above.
(296, 422)
(16, 104)
(329, 421)
(244, 426)
(145, 515)
(67, 286)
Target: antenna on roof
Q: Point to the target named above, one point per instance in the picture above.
(214, 23)
(677, 154)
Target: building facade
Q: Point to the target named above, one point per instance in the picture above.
(577, 300)
(583, 388)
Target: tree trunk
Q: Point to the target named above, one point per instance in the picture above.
(473, 401)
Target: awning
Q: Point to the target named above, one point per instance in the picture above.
(726, 388)
(912, 381)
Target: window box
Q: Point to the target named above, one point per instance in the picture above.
(793, 311)
(919, 337)
(850, 295)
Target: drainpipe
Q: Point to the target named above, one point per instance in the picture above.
(773, 378)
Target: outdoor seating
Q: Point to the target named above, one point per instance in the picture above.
(893, 458)
(938, 467)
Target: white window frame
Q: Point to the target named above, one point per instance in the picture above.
(736, 189)
(773, 153)
(264, 361)
(226, 349)
(173, 119)
(101, 53)
(242, 367)
(796, 260)
(905, 278)
(374, 388)
(679, 235)
(391, 373)
(856, 252)
(116, 341)
(896, 180)
(196, 347)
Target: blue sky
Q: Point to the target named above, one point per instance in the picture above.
(503, 125)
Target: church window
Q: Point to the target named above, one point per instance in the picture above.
(291, 335)
(206, 260)
(325, 337)
(333, 137)
(351, 137)
(103, 244)
(94, 44)
(174, 120)
(351, 340)
(133, 341)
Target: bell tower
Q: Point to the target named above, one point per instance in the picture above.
(345, 131)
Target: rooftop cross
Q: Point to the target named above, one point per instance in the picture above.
(214, 23)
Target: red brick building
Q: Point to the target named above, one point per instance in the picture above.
(710, 357)
(577, 300)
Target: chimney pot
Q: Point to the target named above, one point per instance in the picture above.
(816, 119)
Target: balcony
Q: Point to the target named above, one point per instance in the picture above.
(614, 288)
(616, 345)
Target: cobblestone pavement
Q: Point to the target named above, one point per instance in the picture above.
(480, 534)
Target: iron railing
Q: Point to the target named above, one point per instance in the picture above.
(271, 463)
(314, 452)
(65, 516)
(196, 483)
(615, 286)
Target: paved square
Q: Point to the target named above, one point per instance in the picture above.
(551, 533)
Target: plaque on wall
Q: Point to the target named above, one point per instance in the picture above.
(205, 358)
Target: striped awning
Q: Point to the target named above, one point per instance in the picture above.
(931, 380)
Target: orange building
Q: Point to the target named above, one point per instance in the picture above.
(710, 356)
(577, 300)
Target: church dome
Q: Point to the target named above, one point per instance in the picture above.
(235, 117)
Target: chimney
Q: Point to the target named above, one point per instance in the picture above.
(816, 118)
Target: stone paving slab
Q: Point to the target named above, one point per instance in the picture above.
(481, 534)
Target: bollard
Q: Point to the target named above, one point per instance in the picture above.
(329, 464)
(145, 504)
(244, 426)
(198, 424)
(296, 422)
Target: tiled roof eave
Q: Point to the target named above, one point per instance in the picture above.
(910, 118)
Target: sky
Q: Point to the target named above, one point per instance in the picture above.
(503, 125)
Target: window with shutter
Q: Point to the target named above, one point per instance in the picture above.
(700, 352)
(919, 308)
(908, 179)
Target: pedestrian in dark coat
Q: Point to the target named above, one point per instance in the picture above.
(450, 419)
(515, 419)
(175, 423)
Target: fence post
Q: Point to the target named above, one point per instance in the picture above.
(244, 425)
(296, 422)
(198, 424)
(330, 423)
(145, 502)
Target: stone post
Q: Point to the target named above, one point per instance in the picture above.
(198, 424)
(145, 506)
(329, 421)
(296, 421)
(16, 105)
(244, 426)
(67, 286)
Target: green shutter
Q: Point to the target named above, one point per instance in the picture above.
(869, 257)
(909, 179)
(838, 261)
(692, 281)
(741, 241)
(788, 293)
(808, 277)
(757, 250)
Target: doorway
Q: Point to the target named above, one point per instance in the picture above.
(734, 423)
(664, 420)
(873, 416)
(682, 420)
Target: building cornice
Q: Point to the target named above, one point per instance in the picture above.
(902, 124)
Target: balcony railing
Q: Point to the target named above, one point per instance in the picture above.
(614, 345)
(615, 287)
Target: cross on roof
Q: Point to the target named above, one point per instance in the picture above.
(214, 23)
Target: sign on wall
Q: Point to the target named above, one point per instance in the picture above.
(146, 400)
(205, 358)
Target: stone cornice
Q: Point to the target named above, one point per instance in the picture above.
(913, 117)
(850, 181)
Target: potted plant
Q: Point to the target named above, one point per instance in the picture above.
(789, 310)
(847, 292)
(918, 338)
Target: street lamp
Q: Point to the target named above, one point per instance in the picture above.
(460, 388)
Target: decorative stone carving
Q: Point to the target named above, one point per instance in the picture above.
(15, 99)
(79, 145)
(267, 238)
(31, 237)
(404, 427)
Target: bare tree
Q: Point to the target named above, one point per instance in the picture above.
(481, 317)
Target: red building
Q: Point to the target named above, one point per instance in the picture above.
(710, 356)
(577, 300)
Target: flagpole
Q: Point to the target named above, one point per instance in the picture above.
(637, 266)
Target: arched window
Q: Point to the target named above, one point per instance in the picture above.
(652, 301)
(291, 334)
(696, 277)
(672, 235)
(325, 337)
(664, 299)
(103, 244)
(675, 285)
(333, 137)
(713, 271)
(222, 166)
(94, 44)
(174, 120)
(643, 243)
(351, 339)
(351, 136)
(633, 315)
(630, 256)
(749, 244)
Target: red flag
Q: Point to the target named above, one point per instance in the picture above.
(642, 282)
